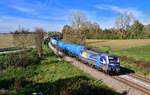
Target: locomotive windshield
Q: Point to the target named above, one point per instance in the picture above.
(113, 60)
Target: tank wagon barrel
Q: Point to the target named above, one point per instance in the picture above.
(70, 48)
(103, 61)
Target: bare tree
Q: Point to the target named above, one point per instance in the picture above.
(123, 20)
(39, 40)
(78, 20)
(23, 40)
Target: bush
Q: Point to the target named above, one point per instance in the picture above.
(22, 59)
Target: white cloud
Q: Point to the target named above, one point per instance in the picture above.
(36, 14)
(137, 14)
(49, 19)
(24, 9)
(119, 9)
(9, 23)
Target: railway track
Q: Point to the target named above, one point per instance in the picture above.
(134, 81)
(140, 77)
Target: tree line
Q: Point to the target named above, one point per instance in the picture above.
(125, 27)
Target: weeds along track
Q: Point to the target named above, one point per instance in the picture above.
(125, 84)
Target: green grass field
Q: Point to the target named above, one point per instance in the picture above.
(51, 76)
(138, 49)
(137, 52)
(141, 53)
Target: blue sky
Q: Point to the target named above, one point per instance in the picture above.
(53, 14)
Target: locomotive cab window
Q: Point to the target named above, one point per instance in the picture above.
(113, 60)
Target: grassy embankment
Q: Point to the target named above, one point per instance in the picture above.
(140, 56)
(50, 76)
(135, 54)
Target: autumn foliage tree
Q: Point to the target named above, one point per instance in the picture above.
(136, 29)
(67, 32)
(80, 28)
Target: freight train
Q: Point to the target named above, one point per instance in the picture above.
(102, 61)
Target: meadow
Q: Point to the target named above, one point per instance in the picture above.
(50, 76)
(118, 44)
(137, 59)
(134, 54)
(139, 53)
(8, 41)
(138, 49)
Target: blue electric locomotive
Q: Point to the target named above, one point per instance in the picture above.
(103, 61)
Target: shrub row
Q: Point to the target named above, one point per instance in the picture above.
(22, 58)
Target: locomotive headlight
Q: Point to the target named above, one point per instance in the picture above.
(118, 60)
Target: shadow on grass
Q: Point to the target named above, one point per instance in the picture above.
(78, 85)
(6, 84)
